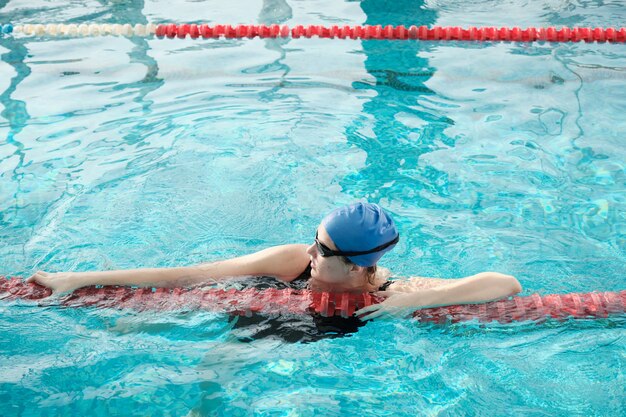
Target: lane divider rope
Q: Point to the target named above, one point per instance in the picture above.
(288, 301)
(424, 33)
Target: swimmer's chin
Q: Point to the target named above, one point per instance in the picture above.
(315, 284)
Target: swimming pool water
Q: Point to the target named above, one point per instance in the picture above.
(124, 153)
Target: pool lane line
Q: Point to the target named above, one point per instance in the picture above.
(366, 32)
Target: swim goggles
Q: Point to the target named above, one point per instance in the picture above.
(325, 251)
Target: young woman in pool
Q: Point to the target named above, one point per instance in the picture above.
(348, 244)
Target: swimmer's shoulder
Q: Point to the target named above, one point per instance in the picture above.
(284, 262)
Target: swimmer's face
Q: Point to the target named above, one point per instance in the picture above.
(329, 270)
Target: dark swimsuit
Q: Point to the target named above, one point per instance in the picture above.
(294, 329)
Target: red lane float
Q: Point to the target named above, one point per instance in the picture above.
(425, 33)
(274, 301)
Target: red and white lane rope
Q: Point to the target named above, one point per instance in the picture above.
(424, 33)
(273, 301)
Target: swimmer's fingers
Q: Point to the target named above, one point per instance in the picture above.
(58, 282)
(375, 311)
(369, 313)
(395, 305)
(39, 277)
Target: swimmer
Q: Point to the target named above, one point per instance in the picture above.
(342, 258)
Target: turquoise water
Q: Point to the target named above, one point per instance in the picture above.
(124, 153)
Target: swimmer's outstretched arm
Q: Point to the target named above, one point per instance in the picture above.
(477, 289)
(284, 262)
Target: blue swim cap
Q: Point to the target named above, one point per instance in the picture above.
(361, 227)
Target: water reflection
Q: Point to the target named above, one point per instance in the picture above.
(51, 129)
(394, 130)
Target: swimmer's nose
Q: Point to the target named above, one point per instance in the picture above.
(311, 251)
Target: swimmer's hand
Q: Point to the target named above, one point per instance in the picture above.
(398, 304)
(59, 282)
